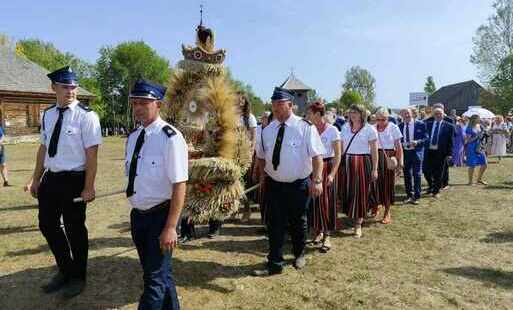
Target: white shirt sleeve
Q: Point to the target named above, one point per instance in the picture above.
(372, 133)
(396, 133)
(258, 147)
(315, 147)
(91, 130)
(177, 159)
(334, 134)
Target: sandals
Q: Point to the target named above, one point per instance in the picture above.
(326, 245)
(358, 231)
(386, 220)
(482, 182)
(318, 239)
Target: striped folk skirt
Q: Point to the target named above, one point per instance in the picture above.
(357, 197)
(323, 209)
(383, 191)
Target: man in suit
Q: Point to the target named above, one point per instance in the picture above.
(414, 136)
(438, 150)
(451, 120)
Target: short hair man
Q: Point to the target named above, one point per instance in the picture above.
(157, 170)
(65, 169)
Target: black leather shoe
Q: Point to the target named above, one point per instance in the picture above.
(213, 234)
(56, 283)
(300, 262)
(265, 272)
(74, 288)
(184, 239)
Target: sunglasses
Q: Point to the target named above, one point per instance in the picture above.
(381, 119)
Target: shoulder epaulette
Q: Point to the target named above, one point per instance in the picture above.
(307, 121)
(84, 107)
(168, 131)
(133, 130)
(44, 114)
(48, 108)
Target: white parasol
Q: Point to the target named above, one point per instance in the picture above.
(482, 112)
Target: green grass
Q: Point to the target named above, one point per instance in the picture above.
(455, 253)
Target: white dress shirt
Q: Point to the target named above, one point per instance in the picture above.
(411, 131)
(80, 130)
(163, 161)
(431, 139)
(360, 144)
(301, 142)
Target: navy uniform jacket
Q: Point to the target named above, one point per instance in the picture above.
(445, 137)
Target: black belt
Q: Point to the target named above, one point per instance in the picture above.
(159, 207)
(327, 159)
(65, 173)
(293, 183)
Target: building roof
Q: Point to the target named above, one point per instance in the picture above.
(18, 74)
(293, 83)
(448, 92)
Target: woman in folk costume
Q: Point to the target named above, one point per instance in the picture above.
(389, 147)
(323, 209)
(249, 124)
(265, 119)
(360, 144)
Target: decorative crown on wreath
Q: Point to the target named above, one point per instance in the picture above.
(204, 49)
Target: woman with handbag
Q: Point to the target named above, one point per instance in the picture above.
(390, 163)
(323, 209)
(359, 141)
(475, 149)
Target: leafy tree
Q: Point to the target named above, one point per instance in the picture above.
(430, 86)
(257, 105)
(49, 57)
(493, 41)
(502, 87)
(348, 98)
(361, 80)
(118, 68)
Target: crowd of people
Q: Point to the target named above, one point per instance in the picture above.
(308, 169)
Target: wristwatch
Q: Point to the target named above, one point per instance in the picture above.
(317, 181)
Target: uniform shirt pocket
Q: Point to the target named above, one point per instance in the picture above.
(152, 166)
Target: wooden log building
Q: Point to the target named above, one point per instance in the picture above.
(458, 96)
(25, 91)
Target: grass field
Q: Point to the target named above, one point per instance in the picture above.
(454, 253)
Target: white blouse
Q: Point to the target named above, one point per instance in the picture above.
(387, 137)
(360, 144)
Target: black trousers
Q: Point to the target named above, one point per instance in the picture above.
(434, 164)
(69, 245)
(287, 209)
(445, 174)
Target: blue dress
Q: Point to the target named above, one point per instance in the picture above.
(474, 157)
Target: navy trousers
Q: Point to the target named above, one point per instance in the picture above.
(287, 206)
(412, 174)
(159, 286)
(70, 246)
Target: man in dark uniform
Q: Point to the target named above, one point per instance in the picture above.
(157, 168)
(66, 169)
(289, 152)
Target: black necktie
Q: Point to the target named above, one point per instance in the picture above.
(277, 146)
(407, 132)
(54, 140)
(133, 164)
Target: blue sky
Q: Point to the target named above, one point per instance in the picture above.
(400, 41)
